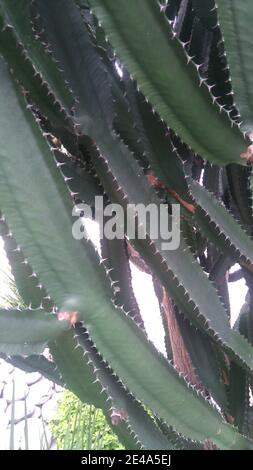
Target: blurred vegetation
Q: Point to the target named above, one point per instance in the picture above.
(79, 426)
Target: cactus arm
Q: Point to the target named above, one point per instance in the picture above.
(236, 24)
(125, 126)
(36, 363)
(38, 167)
(30, 81)
(27, 331)
(116, 261)
(201, 351)
(238, 395)
(140, 423)
(93, 382)
(174, 99)
(27, 282)
(218, 274)
(159, 149)
(76, 372)
(85, 187)
(89, 107)
(131, 358)
(17, 16)
(240, 381)
(239, 187)
(223, 220)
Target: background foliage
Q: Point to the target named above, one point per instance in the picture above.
(77, 426)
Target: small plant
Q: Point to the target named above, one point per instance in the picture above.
(143, 102)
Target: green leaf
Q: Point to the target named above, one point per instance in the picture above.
(28, 331)
(166, 80)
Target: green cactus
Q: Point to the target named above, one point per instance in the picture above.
(139, 102)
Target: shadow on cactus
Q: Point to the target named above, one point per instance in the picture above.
(141, 103)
